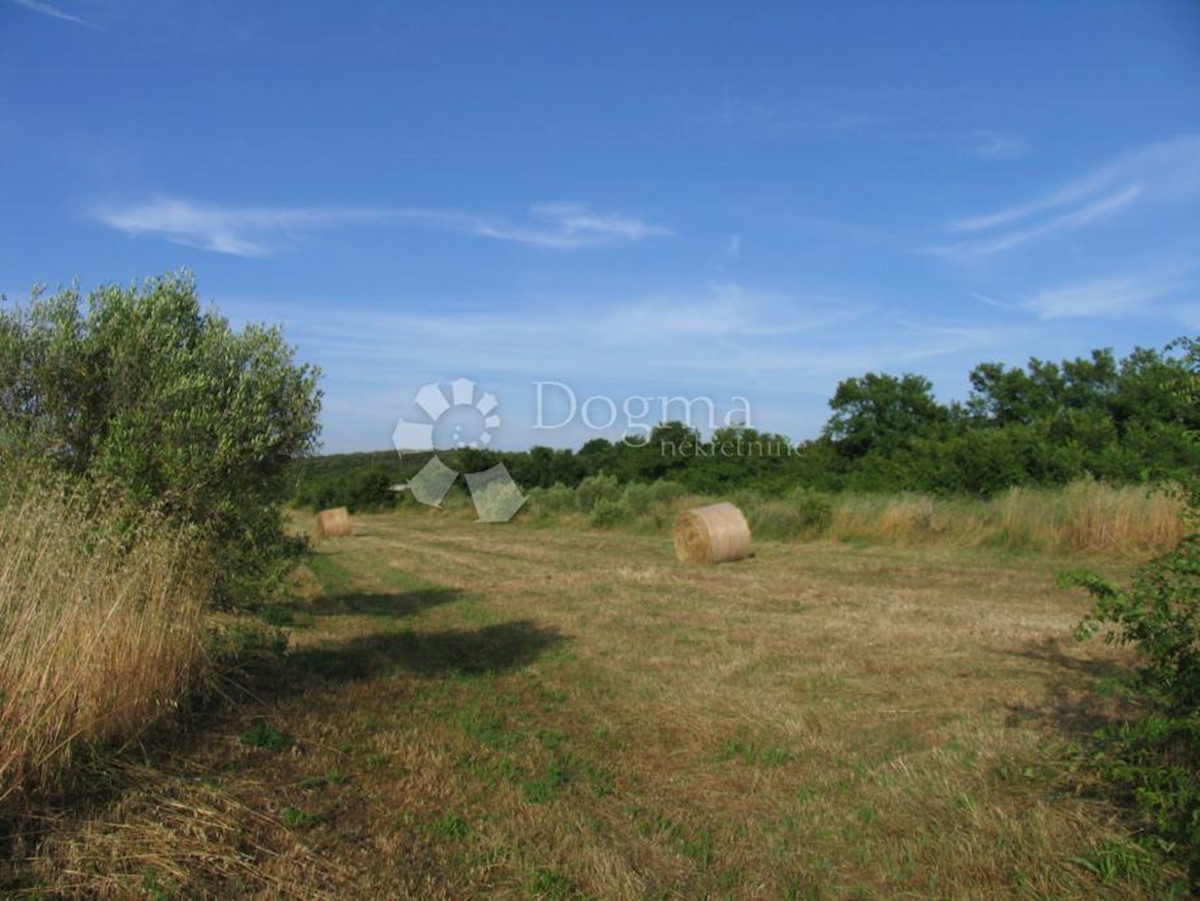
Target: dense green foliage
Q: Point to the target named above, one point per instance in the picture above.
(1155, 754)
(1121, 421)
(151, 401)
(361, 482)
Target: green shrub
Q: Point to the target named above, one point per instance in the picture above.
(638, 498)
(1153, 756)
(747, 500)
(663, 493)
(361, 490)
(774, 519)
(608, 512)
(815, 511)
(555, 499)
(594, 489)
(159, 405)
(800, 515)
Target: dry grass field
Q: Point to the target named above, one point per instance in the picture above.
(96, 644)
(471, 711)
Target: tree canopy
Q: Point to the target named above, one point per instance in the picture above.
(140, 393)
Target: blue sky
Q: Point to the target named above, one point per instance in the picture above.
(633, 200)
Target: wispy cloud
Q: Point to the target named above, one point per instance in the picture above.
(783, 350)
(722, 311)
(1137, 293)
(261, 231)
(245, 231)
(53, 12)
(557, 225)
(705, 333)
(992, 301)
(996, 145)
(1065, 222)
(719, 334)
(1166, 172)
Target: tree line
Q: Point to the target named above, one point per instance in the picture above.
(1122, 420)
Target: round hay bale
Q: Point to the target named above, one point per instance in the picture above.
(334, 523)
(717, 533)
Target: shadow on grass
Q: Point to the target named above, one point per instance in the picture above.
(491, 649)
(1081, 695)
(395, 604)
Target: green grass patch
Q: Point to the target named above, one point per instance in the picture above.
(295, 818)
(263, 735)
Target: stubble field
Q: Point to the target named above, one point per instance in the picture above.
(520, 712)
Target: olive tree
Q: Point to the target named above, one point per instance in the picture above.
(142, 393)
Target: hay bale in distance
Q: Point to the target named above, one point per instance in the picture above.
(334, 523)
(717, 533)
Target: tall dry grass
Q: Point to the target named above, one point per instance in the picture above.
(100, 633)
(1085, 516)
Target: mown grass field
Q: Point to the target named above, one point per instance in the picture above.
(473, 711)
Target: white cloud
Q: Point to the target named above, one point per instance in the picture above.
(717, 329)
(1139, 293)
(722, 311)
(1166, 172)
(261, 231)
(576, 219)
(247, 231)
(560, 225)
(1066, 222)
(784, 351)
(53, 12)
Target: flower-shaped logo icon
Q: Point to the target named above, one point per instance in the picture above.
(460, 418)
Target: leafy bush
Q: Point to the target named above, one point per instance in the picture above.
(773, 519)
(638, 498)
(815, 512)
(641, 498)
(800, 514)
(1154, 756)
(555, 499)
(608, 512)
(664, 492)
(747, 499)
(151, 401)
(360, 490)
(779, 520)
(595, 488)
